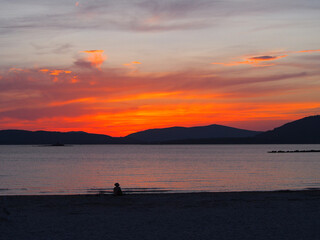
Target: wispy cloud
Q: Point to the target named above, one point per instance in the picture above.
(308, 51)
(141, 16)
(132, 66)
(104, 15)
(259, 61)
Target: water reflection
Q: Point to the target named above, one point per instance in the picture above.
(153, 168)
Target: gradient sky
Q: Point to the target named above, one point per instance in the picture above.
(117, 67)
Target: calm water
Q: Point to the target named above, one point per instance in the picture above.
(156, 168)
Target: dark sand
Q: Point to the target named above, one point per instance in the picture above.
(244, 215)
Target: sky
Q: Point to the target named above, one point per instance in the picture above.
(118, 67)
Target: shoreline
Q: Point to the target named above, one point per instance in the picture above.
(206, 215)
(158, 192)
(164, 192)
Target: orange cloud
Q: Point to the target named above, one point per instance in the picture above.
(308, 51)
(144, 96)
(58, 72)
(133, 69)
(130, 65)
(255, 61)
(55, 73)
(95, 57)
(74, 79)
(118, 104)
(61, 103)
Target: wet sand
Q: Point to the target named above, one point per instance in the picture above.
(243, 215)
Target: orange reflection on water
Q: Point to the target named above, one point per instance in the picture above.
(88, 169)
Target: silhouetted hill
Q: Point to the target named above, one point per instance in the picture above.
(305, 130)
(45, 137)
(181, 133)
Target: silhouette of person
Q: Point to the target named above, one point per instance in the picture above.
(117, 190)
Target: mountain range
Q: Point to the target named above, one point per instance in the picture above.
(182, 133)
(305, 130)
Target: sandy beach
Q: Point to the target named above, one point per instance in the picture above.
(244, 215)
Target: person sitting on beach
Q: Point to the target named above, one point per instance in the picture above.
(117, 190)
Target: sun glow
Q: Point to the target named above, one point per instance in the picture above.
(119, 99)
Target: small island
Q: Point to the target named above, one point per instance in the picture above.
(295, 151)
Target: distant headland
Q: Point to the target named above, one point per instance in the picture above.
(302, 131)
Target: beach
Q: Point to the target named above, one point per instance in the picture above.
(229, 215)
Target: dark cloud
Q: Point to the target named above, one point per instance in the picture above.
(81, 63)
(62, 48)
(56, 48)
(264, 58)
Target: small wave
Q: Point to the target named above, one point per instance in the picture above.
(146, 191)
(166, 181)
(128, 190)
(99, 189)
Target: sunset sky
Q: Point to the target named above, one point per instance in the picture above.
(117, 67)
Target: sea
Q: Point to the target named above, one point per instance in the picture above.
(93, 169)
